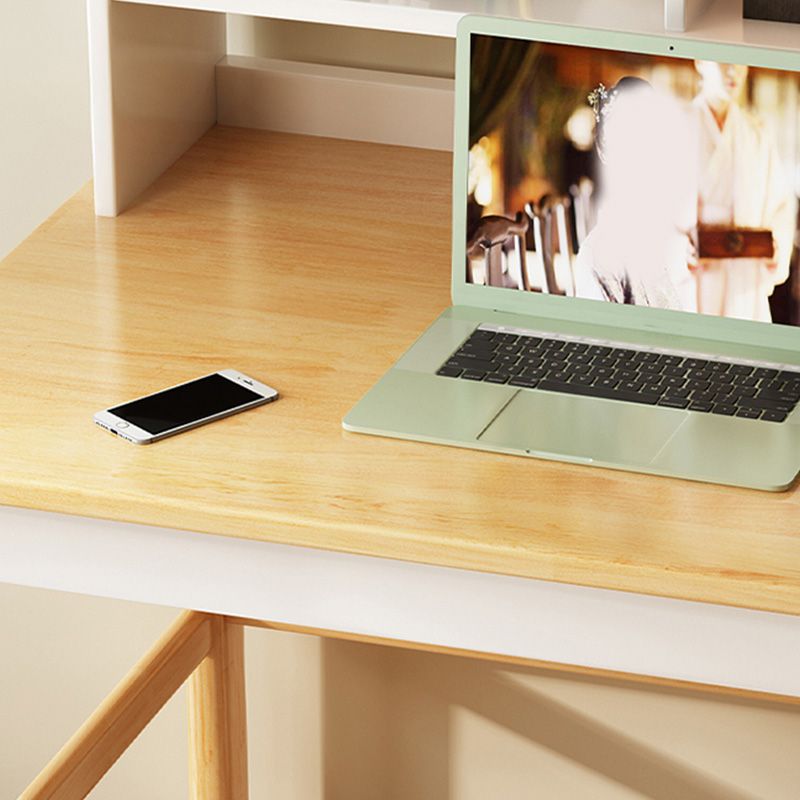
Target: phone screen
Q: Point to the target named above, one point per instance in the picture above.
(185, 404)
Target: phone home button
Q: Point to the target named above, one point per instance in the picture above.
(122, 425)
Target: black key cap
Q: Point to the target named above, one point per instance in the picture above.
(608, 361)
(722, 408)
(554, 344)
(598, 350)
(449, 372)
(598, 391)
(745, 380)
(765, 404)
(788, 375)
(651, 368)
(626, 374)
(583, 380)
(679, 391)
(513, 349)
(774, 416)
(580, 358)
(764, 372)
(700, 374)
(698, 386)
(473, 375)
(740, 369)
(496, 377)
(622, 353)
(695, 363)
(704, 397)
(746, 391)
(512, 369)
(700, 406)
(559, 375)
(479, 334)
(647, 358)
(608, 383)
(670, 361)
(748, 413)
(578, 369)
(789, 397)
(534, 372)
(718, 367)
(631, 386)
(674, 371)
(652, 388)
(479, 364)
(525, 383)
(673, 402)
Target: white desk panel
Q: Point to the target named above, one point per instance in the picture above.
(456, 608)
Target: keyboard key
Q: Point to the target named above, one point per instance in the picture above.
(740, 369)
(449, 372)
(598, 391)
(723, 408)
(744, 380)
(496, 377)
(525, 383)
(766, 404)
(763, 372)
(478, 364)
(788, 375)
(673, 402)
(774, 416)
(719, 367)
(748, 413)
(473, 375)
(697, 405)
(598, 350)
(700, 374)
(695, 363)
(670, 361)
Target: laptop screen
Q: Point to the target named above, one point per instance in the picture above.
(636, 179)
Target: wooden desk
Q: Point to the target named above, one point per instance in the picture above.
(312, 264)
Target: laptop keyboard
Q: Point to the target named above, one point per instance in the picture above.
(535, 361)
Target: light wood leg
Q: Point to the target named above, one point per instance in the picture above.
(122, 716)
(218, 718)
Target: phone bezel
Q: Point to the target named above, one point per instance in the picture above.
(132, 433)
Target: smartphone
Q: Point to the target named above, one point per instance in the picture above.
(185, 406)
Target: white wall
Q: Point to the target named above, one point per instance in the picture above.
(44, 97)
(329, 719)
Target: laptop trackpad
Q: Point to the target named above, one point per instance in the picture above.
(582, 428)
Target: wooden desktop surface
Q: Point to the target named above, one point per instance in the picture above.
(312, 264)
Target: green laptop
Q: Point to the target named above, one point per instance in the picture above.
(625, 268)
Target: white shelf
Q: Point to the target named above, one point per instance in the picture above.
(711, 20)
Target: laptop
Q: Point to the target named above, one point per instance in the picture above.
(625, 274)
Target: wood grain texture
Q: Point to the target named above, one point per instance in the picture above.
(218, 718)
(312, 264)
(122, 716)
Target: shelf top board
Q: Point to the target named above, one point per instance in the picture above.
(312, 264)
(707, 20)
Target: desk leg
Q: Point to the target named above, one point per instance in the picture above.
(218, 718)
(122, 716)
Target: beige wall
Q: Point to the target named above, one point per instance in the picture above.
(329, 720)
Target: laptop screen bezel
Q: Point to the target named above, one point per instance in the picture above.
(578, 310)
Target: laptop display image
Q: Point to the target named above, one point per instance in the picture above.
(630, 178)
(625, 271)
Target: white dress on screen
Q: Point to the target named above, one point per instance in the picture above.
(743, 184)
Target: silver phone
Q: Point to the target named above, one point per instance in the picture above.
(185, 406)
